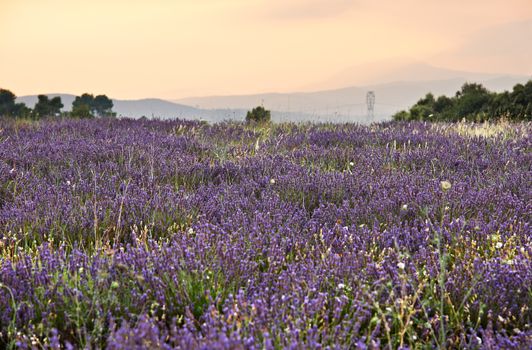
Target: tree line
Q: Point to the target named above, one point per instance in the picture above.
(473, 102)
(84, 106)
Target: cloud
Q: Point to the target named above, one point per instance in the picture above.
(309, 9)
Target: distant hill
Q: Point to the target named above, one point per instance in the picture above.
(150, 108)
(397, 70)
(337, 105)
(157, 108)
(350, 103)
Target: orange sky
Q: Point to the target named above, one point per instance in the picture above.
(172, 49)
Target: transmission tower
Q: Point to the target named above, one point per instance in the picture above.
(370, 102)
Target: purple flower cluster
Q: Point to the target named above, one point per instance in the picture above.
(132, 234)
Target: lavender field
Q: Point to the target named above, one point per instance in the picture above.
(130, 234)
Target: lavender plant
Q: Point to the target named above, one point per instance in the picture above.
(128, 234)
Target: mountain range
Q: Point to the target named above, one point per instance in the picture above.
(395, 89)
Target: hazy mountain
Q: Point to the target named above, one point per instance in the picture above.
(157, 108)
(350, 103)
(383, 72)
(345, 104)
(150, 108)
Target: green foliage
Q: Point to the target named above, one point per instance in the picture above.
(258, 115)
(7, 97)
(471, 100)
(85, 99)
(81, 111)
(100, 106)
(421, 112)
(475, 103)
(20, 110)
(443, 105)
(46, 107)
(103, 106)
(8, 107)
(402, 115)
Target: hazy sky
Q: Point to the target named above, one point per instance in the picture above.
(172, 49)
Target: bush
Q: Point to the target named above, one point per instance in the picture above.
(81, 111)
(258, 115)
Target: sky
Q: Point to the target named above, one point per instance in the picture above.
(172, 49)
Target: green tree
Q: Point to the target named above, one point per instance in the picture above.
(421, 112)
(258, 115)
(56, 105)
(521, 101)
(100, 105)
(81, 111)
(84, 99)
(501, 105)
(20, 110)
(443, 105)
(401, 116)
(7, 102)
(103, 106)
(7, 97)
(424, 108)
(81, 104)
(8, 107)
(46, 107)
(428, 100)
(473, 100)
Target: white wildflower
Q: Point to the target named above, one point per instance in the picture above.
(272, 181)
(445, 185)
(401, 265)
(498, 245)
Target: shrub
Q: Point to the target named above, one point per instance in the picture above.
(258, 115)
(81, 111)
